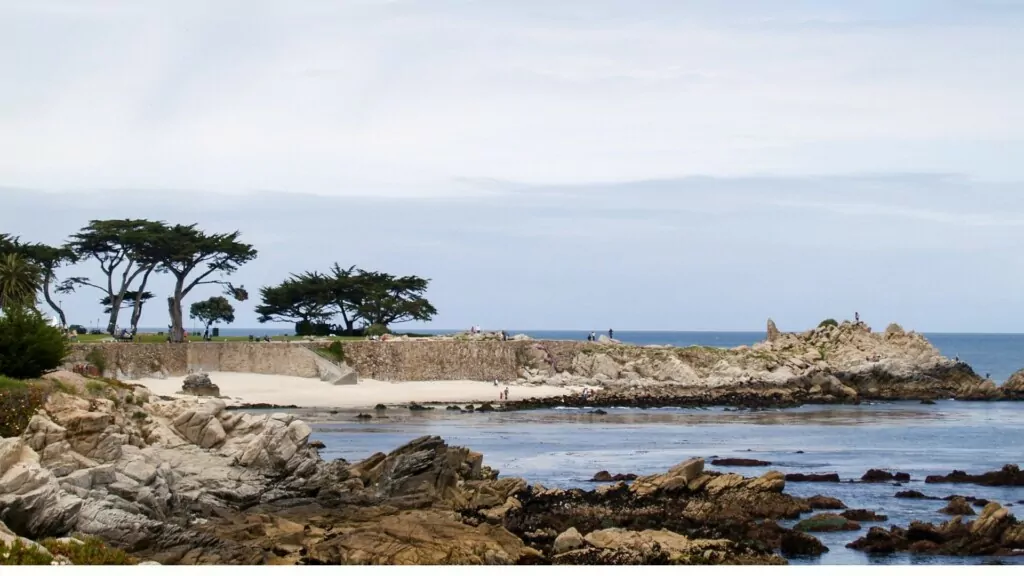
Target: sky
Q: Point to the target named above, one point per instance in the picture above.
(581, 164)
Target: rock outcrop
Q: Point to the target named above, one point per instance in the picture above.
(845, 363)
(1009, 475)
(995, 532)
(200, 385)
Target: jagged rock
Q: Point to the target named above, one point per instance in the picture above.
(1009, 475)
(679, 476)
(958, 507)
(994, 532)
(200, 385)
(874, 475)
(773, 331)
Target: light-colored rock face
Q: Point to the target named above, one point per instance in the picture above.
(120, 471)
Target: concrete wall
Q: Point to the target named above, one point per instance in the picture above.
(402, 360)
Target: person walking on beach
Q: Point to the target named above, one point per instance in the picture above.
(506, 393)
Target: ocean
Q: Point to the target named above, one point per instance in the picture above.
(565, 448)
(998, 355)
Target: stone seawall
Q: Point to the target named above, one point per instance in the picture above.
(136, 360)
(414, 360)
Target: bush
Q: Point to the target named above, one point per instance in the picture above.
(18, 404)
(828, 322)
(91, 552)
(337, 351)
(97, 359)
(29, 346)
(96, 332)
(377, 330)
(78, 329)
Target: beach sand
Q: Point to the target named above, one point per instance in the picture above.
(244, 388)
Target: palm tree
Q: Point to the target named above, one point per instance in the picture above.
(20, 281)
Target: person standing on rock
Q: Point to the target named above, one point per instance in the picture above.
(611, 334)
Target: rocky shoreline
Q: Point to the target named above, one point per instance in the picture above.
(832, 364)
(186, 481)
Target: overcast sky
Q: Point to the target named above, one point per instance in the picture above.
(658, 164)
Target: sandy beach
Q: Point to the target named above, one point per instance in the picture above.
(314, 393)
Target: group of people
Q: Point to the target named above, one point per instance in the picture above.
(593, 336)
(503, 394)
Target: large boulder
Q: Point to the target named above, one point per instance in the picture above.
(200, 385)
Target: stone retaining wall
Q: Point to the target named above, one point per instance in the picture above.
(395, 361)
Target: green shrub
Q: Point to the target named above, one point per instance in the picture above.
(828, 322)
(78, 329)
(91, 552)
(29, 346)
(19, 554)
(377, 330)
(337, 350)
(95, 387)
(17, 406)
(11, 384)
(97, 359)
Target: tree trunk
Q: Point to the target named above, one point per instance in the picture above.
(115, 308)
(46, 295)
(174, 309)
(137, 308)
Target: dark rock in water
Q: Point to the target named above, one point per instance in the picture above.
(259, 406)
(812, 477)
(914, 495)
(380, 407)
(317, 444)
(200, 385)
(874, 475)
(927, 402)
(363, 417)
(605, 476)
(994, 533)
(453, 409)
(739, 462)
(419, 407)
(863, 516)
(470, 408)
(958, 507)
(599, 412)
(485, 407)
(827, 523)
(975, 501)
(825, 503)
(333, 412)
(799, 452)
(1010, 475)
(801, 544)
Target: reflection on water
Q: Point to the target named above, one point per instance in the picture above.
(566, 447)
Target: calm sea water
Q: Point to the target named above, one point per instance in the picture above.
(564, 448)
(998, 355)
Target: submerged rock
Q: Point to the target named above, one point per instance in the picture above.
(827, 523)
(735, 462)
(874, 475)
(832, 477)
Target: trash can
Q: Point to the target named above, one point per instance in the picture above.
(216, 332)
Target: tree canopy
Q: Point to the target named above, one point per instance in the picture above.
(212, 311)
(20, 280)
(196, 258)
(125, 250)
(358, 296)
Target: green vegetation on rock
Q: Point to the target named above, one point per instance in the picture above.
(87, 552)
